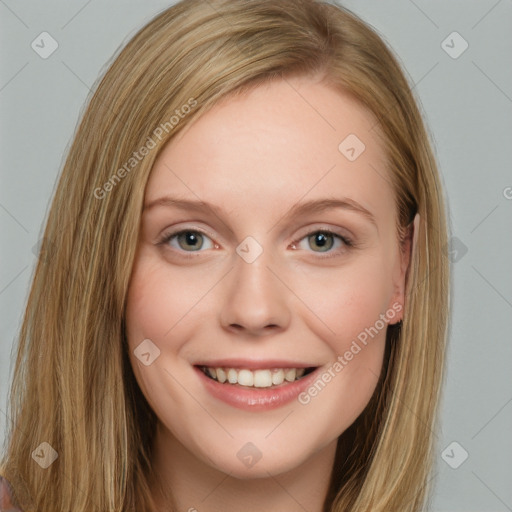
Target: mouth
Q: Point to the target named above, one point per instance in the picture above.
(260, 378)
(255, 384)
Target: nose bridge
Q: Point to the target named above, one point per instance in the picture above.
(255, 299)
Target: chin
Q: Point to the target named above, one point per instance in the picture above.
(246, 461)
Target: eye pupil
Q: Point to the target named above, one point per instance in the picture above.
(191, 239)
(321, 240)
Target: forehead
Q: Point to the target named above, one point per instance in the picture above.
(268, 148)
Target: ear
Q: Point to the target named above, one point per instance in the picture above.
(407, 251)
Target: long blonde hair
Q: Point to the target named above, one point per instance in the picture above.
(73, 386)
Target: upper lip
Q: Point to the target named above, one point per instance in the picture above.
(253, 364)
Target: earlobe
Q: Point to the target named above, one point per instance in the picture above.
(407, 254)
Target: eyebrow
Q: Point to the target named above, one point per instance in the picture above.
(311, 206)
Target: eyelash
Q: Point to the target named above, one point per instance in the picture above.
(167, 237)
(348, 243)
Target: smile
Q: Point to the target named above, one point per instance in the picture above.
(255, 386)
(261, 378)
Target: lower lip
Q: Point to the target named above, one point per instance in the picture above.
(256, 399)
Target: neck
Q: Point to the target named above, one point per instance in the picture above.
(186, 483)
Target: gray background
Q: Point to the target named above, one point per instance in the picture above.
(467, 102)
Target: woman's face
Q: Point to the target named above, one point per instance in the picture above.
(235, 276)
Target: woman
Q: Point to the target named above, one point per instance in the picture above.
(251, 369)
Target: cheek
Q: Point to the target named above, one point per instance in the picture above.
(157, 302)
(348, 302)
(352, 304)
(156, 310)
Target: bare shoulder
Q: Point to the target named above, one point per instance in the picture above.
(7, 502)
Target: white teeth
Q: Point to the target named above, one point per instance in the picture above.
(278, 377)
(245, 378)
(290, 374)
(232, 376)
(256, 378)
(262, 379)
(221, 375)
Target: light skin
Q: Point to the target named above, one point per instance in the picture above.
(255, 157)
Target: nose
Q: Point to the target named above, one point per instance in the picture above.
(256, 300)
